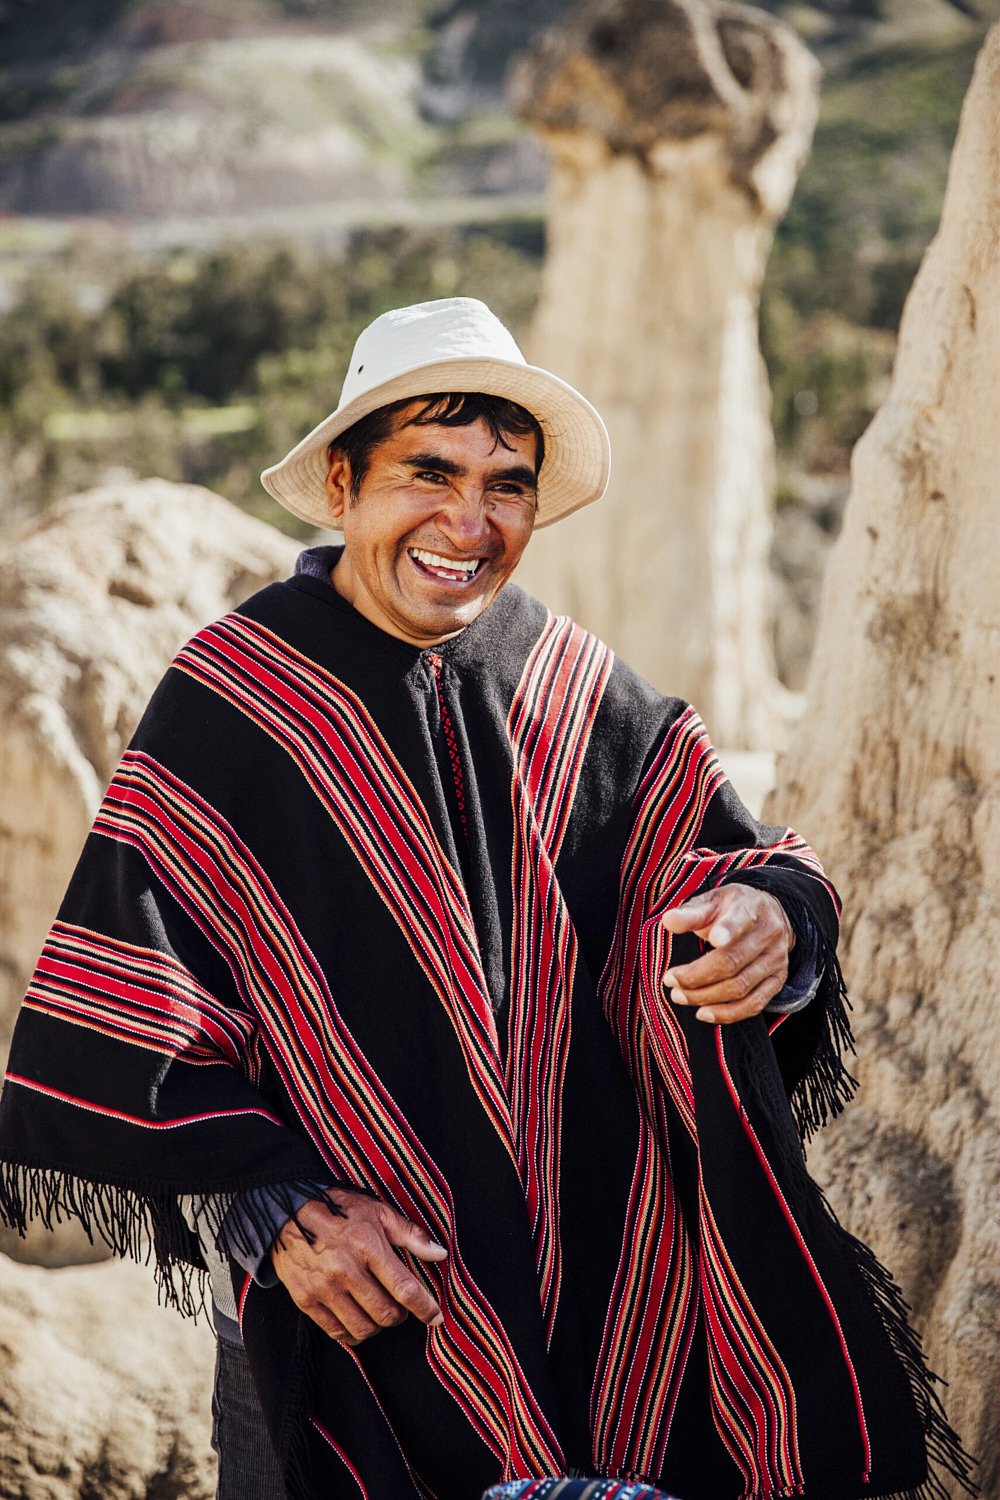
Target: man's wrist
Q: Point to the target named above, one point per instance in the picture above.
(805, 970)
(255, 1219)
(789, 924)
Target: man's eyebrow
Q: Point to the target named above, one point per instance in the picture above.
(433, 461)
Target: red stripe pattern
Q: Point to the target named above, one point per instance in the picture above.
(331, 1442)
(807, 1258)
(136, 995)
(661, 1284)
(450, 740)
(647, 1338)
(549, 727)
(90, 1106)
(348, 765)
(621, 1264)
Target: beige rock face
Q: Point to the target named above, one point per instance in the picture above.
(104, 1393)
(677, 131)
(96, 599)
(894, 775)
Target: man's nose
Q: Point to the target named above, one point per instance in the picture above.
(462, 516)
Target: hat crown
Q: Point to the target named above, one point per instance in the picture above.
(407, 337)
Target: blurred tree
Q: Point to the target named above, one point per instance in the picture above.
(258, 335)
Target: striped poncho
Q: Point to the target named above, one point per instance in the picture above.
(355, 910)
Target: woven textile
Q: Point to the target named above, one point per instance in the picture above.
(573, 1489)
(273, 963)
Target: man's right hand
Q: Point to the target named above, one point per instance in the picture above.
(350, 1280)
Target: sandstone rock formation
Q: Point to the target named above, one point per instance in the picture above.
(104, 1393)
(894, 775)
(96, 599)
(677, 130)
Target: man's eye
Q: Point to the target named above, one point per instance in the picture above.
(430, 476)
(511, 491)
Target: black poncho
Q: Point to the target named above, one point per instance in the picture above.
(277, 962)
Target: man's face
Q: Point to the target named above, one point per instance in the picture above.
(437, 528)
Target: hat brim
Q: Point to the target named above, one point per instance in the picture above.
(577, 463)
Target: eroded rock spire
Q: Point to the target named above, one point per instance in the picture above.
(677, 130)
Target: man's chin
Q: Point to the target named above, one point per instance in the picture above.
(436, 618)
(434, 626)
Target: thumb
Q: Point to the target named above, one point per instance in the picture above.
(700, 911)
(409, 1236)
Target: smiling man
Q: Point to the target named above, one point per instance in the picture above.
(424, 978)
(449, 505)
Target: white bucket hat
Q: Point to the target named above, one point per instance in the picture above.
(455, 344)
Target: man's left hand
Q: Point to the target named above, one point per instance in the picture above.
(751, 938)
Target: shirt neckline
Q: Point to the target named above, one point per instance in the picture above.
(471, 643)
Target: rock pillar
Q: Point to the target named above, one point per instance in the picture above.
(105, 1394)
(894, 776)
(677, 130)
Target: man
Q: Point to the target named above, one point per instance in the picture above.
(423, 960)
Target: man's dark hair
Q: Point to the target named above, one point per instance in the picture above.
(449, 408)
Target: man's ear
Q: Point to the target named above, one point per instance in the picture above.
(338, 486)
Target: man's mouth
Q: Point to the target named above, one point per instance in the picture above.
(450, 569)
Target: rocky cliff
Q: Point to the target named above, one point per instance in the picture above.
(105, 1394)
(894, 776)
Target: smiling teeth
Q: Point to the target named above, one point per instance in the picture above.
(449, 564)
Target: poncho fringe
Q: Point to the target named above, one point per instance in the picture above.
(145, 1224)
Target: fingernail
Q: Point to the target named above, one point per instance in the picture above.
(436, 1322)
(678, 997)
(668, 977)
(719, 935)
(704, 1015)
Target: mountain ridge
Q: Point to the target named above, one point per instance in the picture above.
(138, 109)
